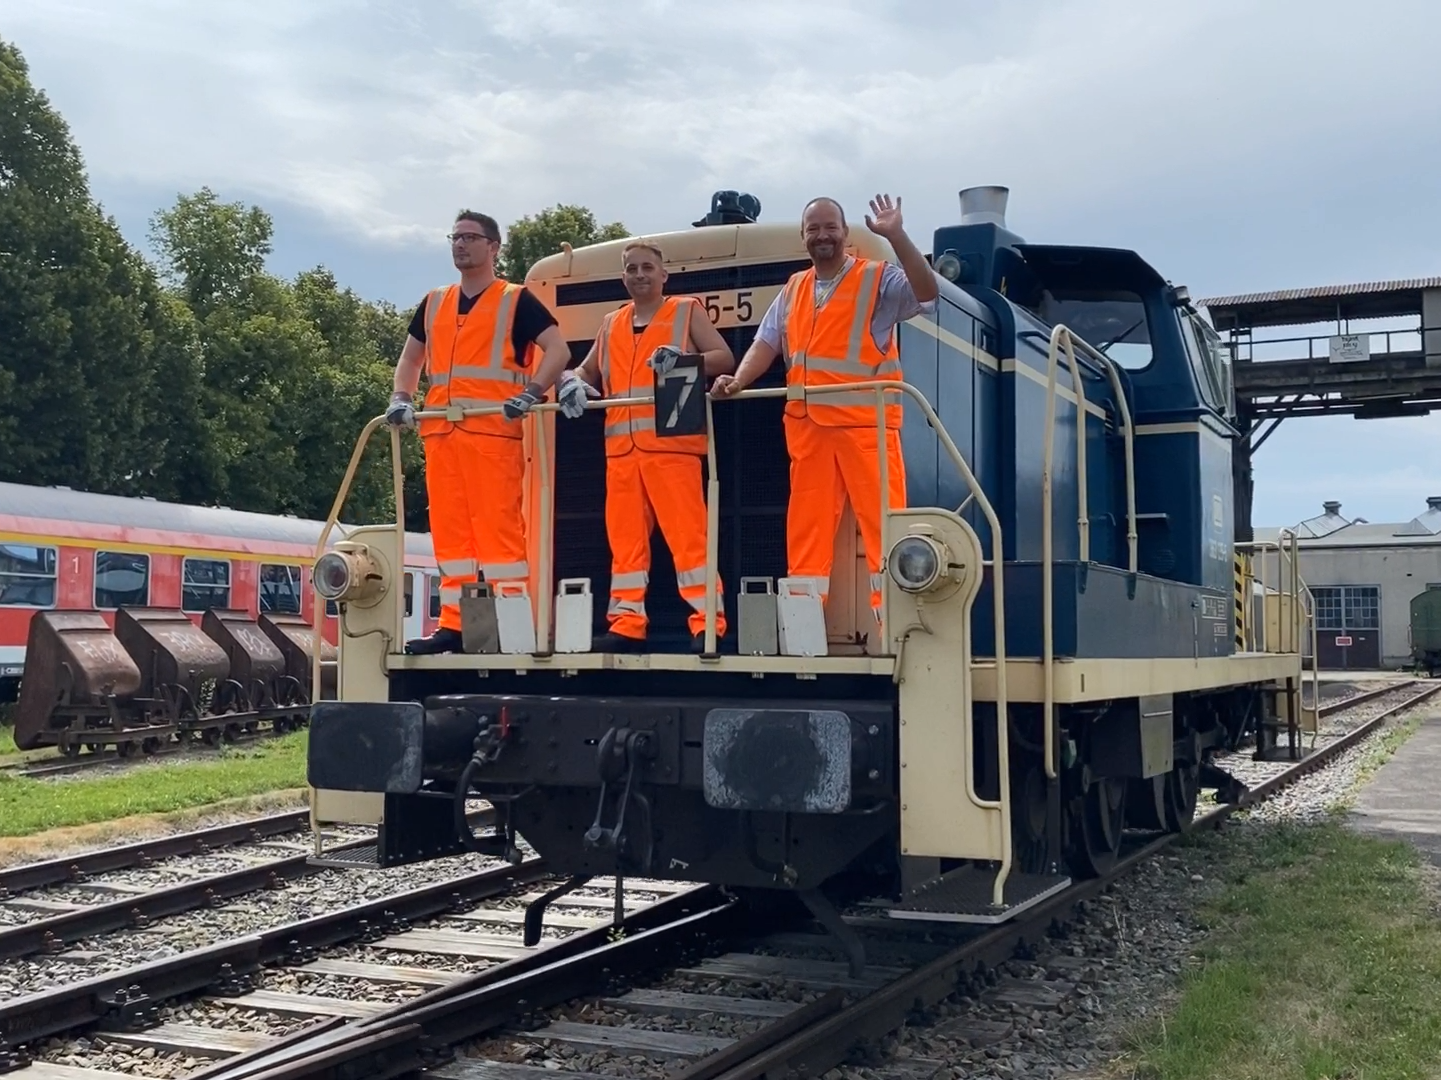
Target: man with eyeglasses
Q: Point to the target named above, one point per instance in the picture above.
(477, 340)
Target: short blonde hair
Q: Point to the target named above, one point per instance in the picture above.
(645, 245)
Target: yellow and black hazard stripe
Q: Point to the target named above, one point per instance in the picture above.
(1243, 581)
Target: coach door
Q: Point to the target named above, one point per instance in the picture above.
(415, 595)
(1348, 626)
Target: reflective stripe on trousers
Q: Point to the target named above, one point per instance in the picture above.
(643, 489)
(476, 486)
(828, 465)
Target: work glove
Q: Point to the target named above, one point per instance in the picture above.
(517, 406)
(572, 394)
(663, 359)
(401, 413)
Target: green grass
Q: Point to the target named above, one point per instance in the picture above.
(30, 806)
(1324, 961)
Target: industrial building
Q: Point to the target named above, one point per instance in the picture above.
(1363, 576)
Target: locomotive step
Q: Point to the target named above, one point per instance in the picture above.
(964, 896)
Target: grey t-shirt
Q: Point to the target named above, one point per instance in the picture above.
(897, 303)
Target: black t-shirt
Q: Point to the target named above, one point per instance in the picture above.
(531, 319)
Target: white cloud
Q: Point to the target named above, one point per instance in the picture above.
(1237, 145)
(388, 117)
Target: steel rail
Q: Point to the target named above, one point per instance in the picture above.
(52, 933)
(824, 1046)
(120, 996)
(60, 765)
(1364, 696)
(413, 1034)
(66, 868)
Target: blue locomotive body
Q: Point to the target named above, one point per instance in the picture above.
(982, 359)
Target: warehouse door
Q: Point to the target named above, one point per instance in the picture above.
(1348, 626)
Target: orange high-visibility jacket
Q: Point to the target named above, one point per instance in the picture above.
(470, 358)
(834, 345)
(624, 373)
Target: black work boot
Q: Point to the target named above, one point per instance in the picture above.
(442, 641)
(612, 642)
(697, 643)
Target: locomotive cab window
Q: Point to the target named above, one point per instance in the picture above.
(28, 576)
(122, 579)
(279, 589)
(1206, 356)
(204, 584)
(1113, 321)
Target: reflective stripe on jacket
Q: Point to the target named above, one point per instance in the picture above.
(470, 359)
(624, 373)
(834, 345)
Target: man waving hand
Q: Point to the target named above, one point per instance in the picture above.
(835, 323)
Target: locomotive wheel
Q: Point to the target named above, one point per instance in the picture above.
(1098, 839)
(1028, 818)
(1182, 788)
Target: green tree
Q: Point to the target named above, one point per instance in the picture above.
(291, 371)
(83, 323)
(212, 250)
(534, 237)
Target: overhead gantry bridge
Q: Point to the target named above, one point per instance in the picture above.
(1365, 373)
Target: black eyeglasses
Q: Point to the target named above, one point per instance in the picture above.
(470, 238)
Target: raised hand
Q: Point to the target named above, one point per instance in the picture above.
(887, 216)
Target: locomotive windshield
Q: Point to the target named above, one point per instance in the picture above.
(1112, 320)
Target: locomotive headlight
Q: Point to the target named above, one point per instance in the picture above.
(948, 265)
(350, 573)
(916, 563)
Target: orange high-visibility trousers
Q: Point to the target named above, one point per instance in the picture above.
(641, 489)
(476, 485)
(827, 465)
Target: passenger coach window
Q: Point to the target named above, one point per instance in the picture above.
(121, 579)
(280, 589)
(434, 596)
(28, 576)
(204, 584)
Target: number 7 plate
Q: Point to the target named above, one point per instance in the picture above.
(680, 399)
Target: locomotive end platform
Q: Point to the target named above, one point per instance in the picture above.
(1076, 680)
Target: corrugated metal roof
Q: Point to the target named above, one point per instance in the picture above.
(1321, 292)
(1359, 534)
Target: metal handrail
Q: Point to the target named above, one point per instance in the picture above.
(1287, 547)
(1063, 340)
(1244, 337)
(881, 388)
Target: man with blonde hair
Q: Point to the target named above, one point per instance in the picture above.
(649, 479)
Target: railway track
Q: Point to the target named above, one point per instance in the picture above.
(41, 766)
(696, 984)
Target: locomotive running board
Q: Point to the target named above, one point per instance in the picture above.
(964, 896)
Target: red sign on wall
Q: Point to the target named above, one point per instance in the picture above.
(1343, 641)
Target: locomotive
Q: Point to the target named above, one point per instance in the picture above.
(1059, 651)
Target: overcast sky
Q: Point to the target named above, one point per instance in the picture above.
(1239, 145)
